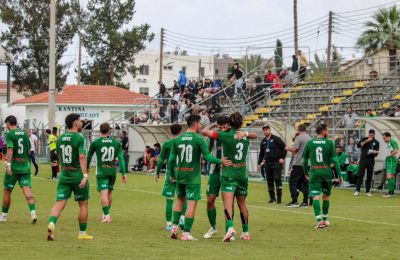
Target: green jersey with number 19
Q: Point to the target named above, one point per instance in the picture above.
(107, 150)
(321, 153)
(187, 150)
(18, 140)
(235, 151)
(70, 146)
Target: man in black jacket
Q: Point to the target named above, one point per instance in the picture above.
(272, 157)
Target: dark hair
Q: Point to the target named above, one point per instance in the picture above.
(371, 131)
(386, 134)
(104, 128)
(12, 120)
(70, 119)
(266, 127)
(175, 129)
(192, 119)
(222, 120)
(236, 120)
(157, 145)
(321, 128)
(124, 132)
(54, 130)
(48, 131)
(302, 128)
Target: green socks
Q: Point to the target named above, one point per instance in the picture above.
(188, 224)
(53, 219)
(245, 227)
(325, 209)
(175, 217)
(392, 184)
(168, 210)
(229, 224)
(82, 227)
(317, 210)
(32, 207)
(212, 217)
(106, 210)
(4, 210)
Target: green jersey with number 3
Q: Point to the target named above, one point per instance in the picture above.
(187, 150)
(107, 150)
(235, 151)
(321, 153)
(18, 140)
(70, 146)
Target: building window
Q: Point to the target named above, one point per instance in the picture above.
(168, 67)
(144, 91)
(144, 70)
(184, 69)
(216, 71)
(202, 71)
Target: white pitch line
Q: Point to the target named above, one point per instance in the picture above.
(261, 207)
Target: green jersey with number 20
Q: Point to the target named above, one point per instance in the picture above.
(70, 146)
(107, 150)
(18, 140)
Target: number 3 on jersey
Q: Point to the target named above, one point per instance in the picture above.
(318, 155)
(186, 152)
(239, 154)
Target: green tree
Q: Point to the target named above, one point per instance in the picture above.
(337, 58)
(111, 41)
(278, 56)
(383, 31)
(318, 68)
(255, 62)
(26, 37)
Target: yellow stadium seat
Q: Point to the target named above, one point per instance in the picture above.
(312, 116)
(347, 92)
(274, 102)
(359, 84)
(397, 97)
(386, 105)
(324, 108)
(262, 110)
(284, 96)
(336, 100)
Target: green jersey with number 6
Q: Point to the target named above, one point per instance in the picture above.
(70, 146)
(107, 150)
(187, 150)
(18, 140)
(321, 153)
(235, 151)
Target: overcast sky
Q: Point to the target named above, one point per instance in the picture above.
(245, 18)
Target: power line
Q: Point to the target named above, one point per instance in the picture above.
(369, 8)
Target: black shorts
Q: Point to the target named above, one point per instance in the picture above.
(53, 156)
(4, 150)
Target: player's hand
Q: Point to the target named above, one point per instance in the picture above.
(240, 135)
(9, 172)
(259, 168)
(124, 179)
(157, 177)
(83, 183)
(281, 161)
(172, 179)
(307, 177)
(226, 162)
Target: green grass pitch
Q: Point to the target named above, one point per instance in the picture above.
(361, 227)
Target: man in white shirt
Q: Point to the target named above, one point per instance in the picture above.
(34, 148)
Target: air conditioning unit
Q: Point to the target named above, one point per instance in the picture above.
(176, 53)
(183, 53)
(369, 62)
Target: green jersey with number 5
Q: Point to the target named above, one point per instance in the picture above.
(70, 146)
(18, 140)
(187, 150)
(235, 151)
(321, 154)
(107, 150)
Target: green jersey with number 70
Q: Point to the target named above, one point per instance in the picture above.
(18, 140)
(107, 150)
(235, 151)
(70, 146)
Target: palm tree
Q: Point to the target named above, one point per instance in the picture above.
(255, 62)
(383, 31)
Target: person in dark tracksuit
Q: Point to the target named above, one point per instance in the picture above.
(272, 157)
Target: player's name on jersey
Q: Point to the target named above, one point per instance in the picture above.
(319, 142)
(187, 138)
(66, 138)
(19, 133)
(106, 141)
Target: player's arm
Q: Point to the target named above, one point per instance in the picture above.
(10, 151)
(244, 134)
(395, 148)
(171, 163)
(83, 163)
(306, 156)
(36, 145)
(206, 153)
(122, 163)
(160, 161)
(208, 132)
(295, 147)
(90, 154)
(282, 146)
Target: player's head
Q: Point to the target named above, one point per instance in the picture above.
(193, 122)
(322, 130)
(73, 122)
(11, 122)
(339, 150)
(267, 130)
(54, 130)
(302, 128)
(175, 129)
(157, 146)
(236, 120)
(105, 129)
(48, 132)
(223, 123)
(371, 133)
(386, 137)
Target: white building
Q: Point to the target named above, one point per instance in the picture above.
(96, 104)
(147, 76)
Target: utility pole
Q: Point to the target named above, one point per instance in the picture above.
(329, 50)
(296, 40)
(199, 70)
(52, 64)
(161, 53)
(79, 59)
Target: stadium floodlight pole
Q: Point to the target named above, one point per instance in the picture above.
(52, 64)
(161, 54)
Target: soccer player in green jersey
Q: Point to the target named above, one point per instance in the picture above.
(186, 152)
(391, 163)
(18, 168)
(320, 154)
(107, 150)
(73, 176)
(169, 187)
(234, 179)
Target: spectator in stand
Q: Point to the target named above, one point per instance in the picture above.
(125, 148)
(257, 79)
(269, 79)
(238, 75)
(369, 113)
(182, 80)
(397, 111)
(276, 88)
(162, 89)
(303, 65)
(174, 114)
(350, 119)
(205, 120)
(295, 64)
